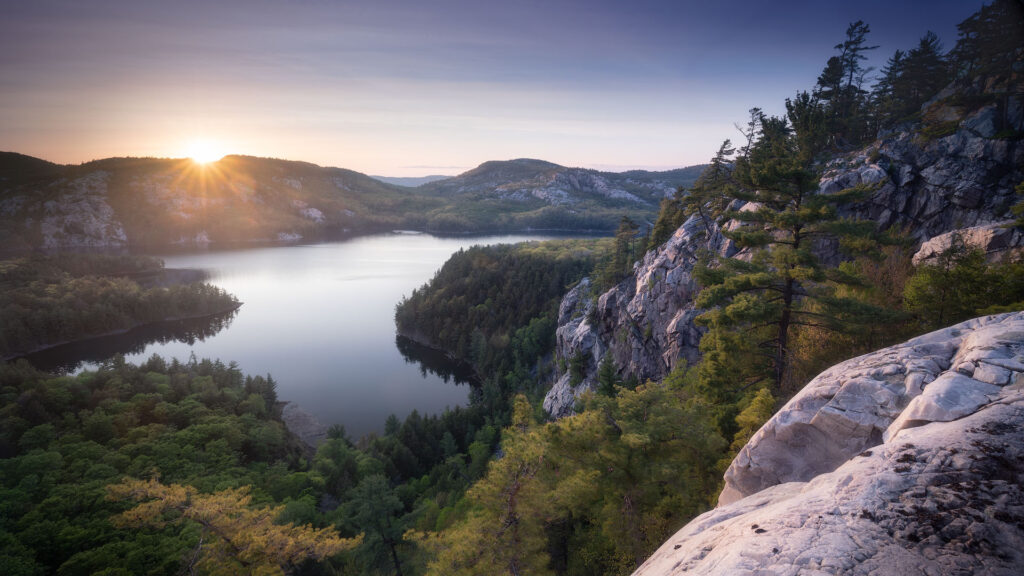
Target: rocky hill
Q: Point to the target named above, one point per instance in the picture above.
(528, 180)
(905, 461)
(949, 172)
(556, 197)
(148, 201)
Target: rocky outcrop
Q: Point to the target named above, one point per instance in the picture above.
(645, 322)
(930, 186)
(853, 405)
(906, 461)
(303, 425)
(999, 241)
(80, 216)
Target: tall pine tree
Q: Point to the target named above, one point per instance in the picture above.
(777, 282)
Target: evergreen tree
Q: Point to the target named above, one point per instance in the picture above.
(708, 197)
(624, 254)
(960, 284)
(705, 198)
(839, 88)
(990, 41)
(607, 376)
(777, 283)
(375, 510)
(504, 532)
(237, 538)
(670, 217)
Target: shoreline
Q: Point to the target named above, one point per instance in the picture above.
(421, 340)
(319, 236)
(41, 348)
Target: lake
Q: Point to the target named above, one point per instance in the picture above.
(319, 318)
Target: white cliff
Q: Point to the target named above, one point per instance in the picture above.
(906, 461)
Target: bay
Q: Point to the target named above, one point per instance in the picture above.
(319, 318)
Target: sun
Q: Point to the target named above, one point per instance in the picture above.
(204, 151)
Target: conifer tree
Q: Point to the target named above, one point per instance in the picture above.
(504, 532)
(990, 41)
(375, 510)
(237, 538)
(777, 282)
(839, 88)
(708, 197)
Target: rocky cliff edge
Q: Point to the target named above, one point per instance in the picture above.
(909, 460)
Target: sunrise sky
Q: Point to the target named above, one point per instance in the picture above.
(405, 88)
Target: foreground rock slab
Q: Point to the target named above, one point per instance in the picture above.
(930, 483)
(854, 405)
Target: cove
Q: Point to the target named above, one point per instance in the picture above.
(319, 318)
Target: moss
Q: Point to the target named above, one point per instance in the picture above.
(936, 130)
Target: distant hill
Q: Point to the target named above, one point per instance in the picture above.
(526, 178)
(409, 181)
(153, 201)
(526, 193)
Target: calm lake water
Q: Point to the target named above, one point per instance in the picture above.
(320, 319)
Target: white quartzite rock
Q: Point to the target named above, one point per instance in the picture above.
(998, 240)
(866, 473)
(850, 406)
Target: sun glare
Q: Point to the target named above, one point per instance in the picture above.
(204, 151)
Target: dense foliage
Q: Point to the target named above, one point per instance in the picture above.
(46, 300)
(595, 493)
(491, 306)
(65, 439)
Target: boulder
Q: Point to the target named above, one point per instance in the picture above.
(998, 240)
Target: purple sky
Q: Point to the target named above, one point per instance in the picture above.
(406, 88)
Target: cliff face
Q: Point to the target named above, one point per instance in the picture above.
(927, 183)
(905, 461)
(645, 322)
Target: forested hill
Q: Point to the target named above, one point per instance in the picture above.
(150, 201)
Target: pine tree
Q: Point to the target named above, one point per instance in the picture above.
(990, 41)
(624, 254)
(504, 532)
(607, 376)
(670, 217)
(375, 510)
(708, 197)
(777, 282)
(839, 88)
(237, 538)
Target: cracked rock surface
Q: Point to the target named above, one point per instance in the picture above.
(906, 461)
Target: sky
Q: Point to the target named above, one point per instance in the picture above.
(417, 87)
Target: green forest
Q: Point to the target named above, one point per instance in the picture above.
(50, 299)
(176, 467)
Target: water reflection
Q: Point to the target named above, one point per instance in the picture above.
(83, 354)
(433, 361)
(319, 318)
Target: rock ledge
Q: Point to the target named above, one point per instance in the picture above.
(909, 460)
